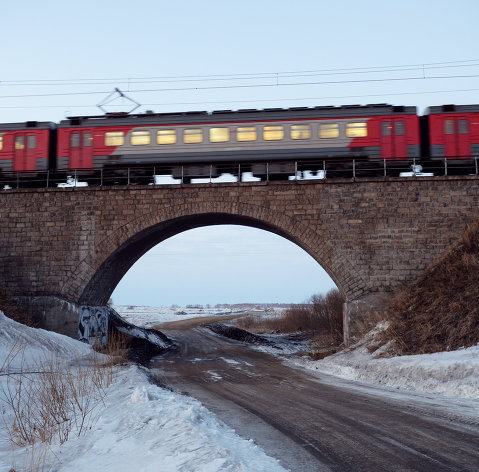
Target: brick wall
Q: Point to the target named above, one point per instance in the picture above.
(369, 235)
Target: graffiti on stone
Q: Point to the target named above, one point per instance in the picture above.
(93, 324)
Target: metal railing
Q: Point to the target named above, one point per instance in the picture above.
(217, 173)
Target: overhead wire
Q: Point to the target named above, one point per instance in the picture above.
(243, 86)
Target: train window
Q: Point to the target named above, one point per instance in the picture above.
(386, 128)
(1, 143)
(399, 128)
(139, 138)
(114, 138)
(219, 135)
(19, 142)
(300, 131)
(31, 141)
(448, 126)
(87, 139)
(356, 130)
(273, 133)
(463, 127)
(166, 136)
(193, 135)
(329, 130)
(246, 133)
(75, 140)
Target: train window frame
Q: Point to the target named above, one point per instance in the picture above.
(386, 128)
(166, 136)
(189, 135)
(273, 133)
(1, 143)
(399, 128)
(328, 130)
(301, 131)
(449, 126)
(31, 141)
(357, 129)
(140, 137)
(114, 138)
(463, 126)
(223, 134)
(19, 142)
(246, 134)
(75, 140)
(87, 139)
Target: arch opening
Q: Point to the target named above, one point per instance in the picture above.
(110, 273)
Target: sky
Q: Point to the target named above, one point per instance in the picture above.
(63, 58)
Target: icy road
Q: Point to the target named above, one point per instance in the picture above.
(318, 423)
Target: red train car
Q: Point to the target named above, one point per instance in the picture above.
(372, 131)
(453, 131)
(25, 146)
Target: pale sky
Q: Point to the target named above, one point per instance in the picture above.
(61, 58)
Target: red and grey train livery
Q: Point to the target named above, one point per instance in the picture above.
(374, 132)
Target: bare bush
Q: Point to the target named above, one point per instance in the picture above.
(323, 315)
(49, 399)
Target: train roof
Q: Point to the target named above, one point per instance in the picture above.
(344, 111)
(436, 110)
(27, 125)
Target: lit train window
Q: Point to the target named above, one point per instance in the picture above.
(356, 130)
(166, 136)
(87, 139)
(1, 143)
(300, 132)
(386, 128)
(399, 128)
(273, 133)
(19, 142)
(114, 138)
(219, 135)
(193, 135)
(246, 133)
(139, 138)
(463, 127)
(75, 140)
(329, 130)
(31, 141)
(448, 126)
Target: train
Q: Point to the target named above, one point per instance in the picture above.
(211, 142)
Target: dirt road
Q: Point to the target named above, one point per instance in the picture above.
(316, 424)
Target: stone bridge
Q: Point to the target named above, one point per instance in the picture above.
(62, 248)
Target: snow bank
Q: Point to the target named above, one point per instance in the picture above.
(142, 427)
(146, 428)
(453, 373)
(38, 343)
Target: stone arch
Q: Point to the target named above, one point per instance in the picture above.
(101, 270)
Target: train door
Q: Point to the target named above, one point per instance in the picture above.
(24, 152)
(81, 149)
(393, 138)
(457, 141)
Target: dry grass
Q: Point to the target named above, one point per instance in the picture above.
(45, 401)
(117, 348)
(321, 319)
(440, 311)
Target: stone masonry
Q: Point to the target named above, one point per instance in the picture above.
(371, 235)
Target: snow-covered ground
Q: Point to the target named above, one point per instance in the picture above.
(147, 316)
(142, 427)
(453, 373)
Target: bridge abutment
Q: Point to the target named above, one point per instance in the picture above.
(52, 313)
